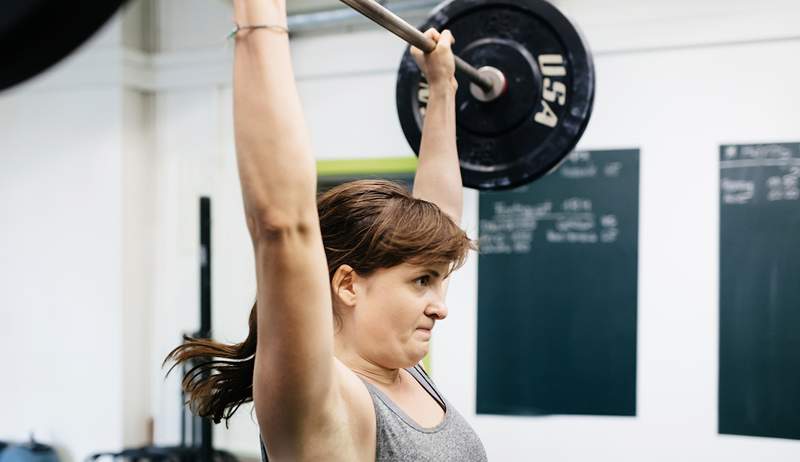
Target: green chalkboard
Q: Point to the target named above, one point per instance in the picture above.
(557, 290)
(759, 290)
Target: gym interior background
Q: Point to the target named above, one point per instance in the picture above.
(103, 159)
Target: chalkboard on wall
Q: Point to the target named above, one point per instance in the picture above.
(557, 290)
(759, 290)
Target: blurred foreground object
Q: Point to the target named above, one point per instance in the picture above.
(35, 34)
(28, 452)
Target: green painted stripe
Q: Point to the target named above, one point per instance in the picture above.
(371, 166)
(427, 362)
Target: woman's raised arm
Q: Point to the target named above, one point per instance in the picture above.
(272, 141)
(438, 177)
(293, 376)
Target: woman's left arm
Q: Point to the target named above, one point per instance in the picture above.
(438, 177)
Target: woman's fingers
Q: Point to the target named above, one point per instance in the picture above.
(445, 40)
(419, 58)
(447, 36)
(432, 34)
(438, 64)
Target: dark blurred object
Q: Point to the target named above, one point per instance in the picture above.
(166, 454)
(35, 34)
(27, 452)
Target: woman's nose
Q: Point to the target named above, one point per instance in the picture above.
(438, 309)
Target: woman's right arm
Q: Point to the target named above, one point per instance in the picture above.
(294, 369)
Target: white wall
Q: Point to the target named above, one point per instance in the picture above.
(675, 79)
(75, 246)
(139, 195)
(60, 269)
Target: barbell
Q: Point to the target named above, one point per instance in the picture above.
(531, 85)
(525, 105)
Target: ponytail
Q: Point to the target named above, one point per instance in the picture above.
(220, 377)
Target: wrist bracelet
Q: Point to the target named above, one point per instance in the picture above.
(273, 27)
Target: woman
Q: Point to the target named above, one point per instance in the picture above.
(350, 285)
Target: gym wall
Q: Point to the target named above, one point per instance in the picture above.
(102, 161)
(76, 243)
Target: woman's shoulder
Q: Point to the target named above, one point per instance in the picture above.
(357, 401)
(348, 422)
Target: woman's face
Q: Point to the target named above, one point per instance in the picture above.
(395, 311)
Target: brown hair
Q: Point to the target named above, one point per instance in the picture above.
(367, 224)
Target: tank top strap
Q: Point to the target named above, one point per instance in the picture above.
(422, 377)
(264, 457)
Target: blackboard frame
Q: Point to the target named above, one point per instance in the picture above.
(559, 342)
(759, 290)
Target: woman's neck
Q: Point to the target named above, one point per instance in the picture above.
(364, 367)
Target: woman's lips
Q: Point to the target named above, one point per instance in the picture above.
(424, 332)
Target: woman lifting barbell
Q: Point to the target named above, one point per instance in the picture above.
(349, 285)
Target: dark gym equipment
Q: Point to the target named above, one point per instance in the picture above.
(35, 34)
(206, 431)
(32, 451)
(200, 447)
(544, 108)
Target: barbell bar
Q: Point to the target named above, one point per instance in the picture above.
(411, 35)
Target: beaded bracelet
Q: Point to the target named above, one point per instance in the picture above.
(273, 27)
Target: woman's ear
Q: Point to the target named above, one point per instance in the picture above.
(343, 285)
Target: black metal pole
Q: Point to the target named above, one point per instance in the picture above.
(206, 430)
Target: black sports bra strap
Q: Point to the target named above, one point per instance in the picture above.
(429, 387)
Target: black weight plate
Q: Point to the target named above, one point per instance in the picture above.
(514, 139)
(518, 65)
(35, 34)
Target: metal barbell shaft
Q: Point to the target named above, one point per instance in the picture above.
(398, 26)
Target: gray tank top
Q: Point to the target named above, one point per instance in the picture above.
(399, 438)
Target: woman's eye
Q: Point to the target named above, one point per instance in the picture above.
(422, 281)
